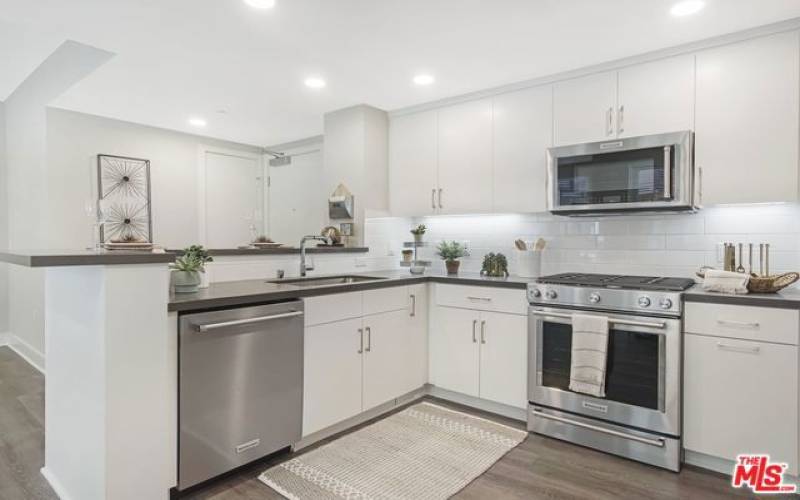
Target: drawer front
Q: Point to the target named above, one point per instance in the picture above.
(741, 397)
(385, 300)
(764, 324)
(482, 298)
(335, 307)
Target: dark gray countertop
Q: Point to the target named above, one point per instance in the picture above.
(240, 293)
(59, 258)
(785, 299)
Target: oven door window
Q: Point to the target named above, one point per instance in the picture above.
(634, 370)
(623, 177)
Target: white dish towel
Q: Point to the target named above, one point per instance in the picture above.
(589, 351)
(725, 281)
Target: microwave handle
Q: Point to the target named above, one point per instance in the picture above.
(667, 172)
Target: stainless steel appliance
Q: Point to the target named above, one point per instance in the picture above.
(640, 416)
(647, 173)
(240, 387)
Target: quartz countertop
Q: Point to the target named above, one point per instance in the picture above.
(785, 299)
(240, 293)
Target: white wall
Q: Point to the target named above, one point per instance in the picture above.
(3, 227)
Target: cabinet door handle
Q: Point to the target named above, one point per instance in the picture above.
(620, 119)
(433, 199)
(479, 299)
(737, 324)
(700, 186)
(361, 340)
(727, 347)
(474, 326)
(440, 198)
(610, 121)
(483, 332)
(413, 305)
(369, 340)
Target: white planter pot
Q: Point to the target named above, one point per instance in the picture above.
(185, 281)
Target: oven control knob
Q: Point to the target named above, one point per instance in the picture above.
(551, 294)
(665, 303)
(536, 293)
(644, 301)
(594, 298)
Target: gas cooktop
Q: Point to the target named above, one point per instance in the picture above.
(650, 283)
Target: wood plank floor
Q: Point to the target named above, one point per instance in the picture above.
(540, 468)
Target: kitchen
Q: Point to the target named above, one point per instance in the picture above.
(580, 200)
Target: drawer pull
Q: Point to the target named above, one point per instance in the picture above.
(750, 350)
(480, 299)
(737, 324)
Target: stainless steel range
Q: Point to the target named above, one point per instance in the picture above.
(640, 415)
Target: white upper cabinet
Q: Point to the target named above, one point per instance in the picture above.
(522, 132)
(656, 97)
(465, 158)
(584, 109)
(413, 164)
(747, 121)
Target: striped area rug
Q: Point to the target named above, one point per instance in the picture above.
(425, 451)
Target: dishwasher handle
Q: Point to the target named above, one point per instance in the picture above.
(248, 321)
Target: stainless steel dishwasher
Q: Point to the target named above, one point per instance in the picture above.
(240, 387)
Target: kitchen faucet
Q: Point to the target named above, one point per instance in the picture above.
(303, 267)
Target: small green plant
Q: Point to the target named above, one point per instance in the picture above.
(451, 250)
(495, 265)
(194, 259)
(263, 239)
(419, 230)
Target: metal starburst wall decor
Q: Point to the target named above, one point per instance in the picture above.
(124, 191)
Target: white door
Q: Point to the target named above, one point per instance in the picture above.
(413, 164)
(332, 378)
(523, 130)
(455, 351)
(504, 358)
(747, 121)
(656, 97)
(740, 397)
(465, 158)
(297, 197)
(416, 338)
(584, 109)
(384, 357)
(232, 200)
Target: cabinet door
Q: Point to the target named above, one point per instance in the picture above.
(384, 357)
(465, 158)
(584, 109)
(416, 344)
(523, 130)
(413, 164)
(454, 350)
(656, 97)
(740, 397)
(747, 121)
(504, 358)
(332, 378)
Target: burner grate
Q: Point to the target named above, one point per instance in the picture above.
(619, 281)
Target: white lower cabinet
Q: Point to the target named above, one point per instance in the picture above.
(384, 357)
(740, 396)
(481, 354)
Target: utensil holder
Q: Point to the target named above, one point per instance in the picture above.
(529, 263)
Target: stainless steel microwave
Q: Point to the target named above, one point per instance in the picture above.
(647, 173)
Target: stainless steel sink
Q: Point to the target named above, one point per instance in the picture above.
(326, 280)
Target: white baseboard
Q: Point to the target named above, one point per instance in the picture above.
(55, 484)
(478, 403)
(5, 339)
(25, 351)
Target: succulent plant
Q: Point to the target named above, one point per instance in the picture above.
(419, 230)
(495, 264)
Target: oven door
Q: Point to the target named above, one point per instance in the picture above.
(641, 173)
(642, 370)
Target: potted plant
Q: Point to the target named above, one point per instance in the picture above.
(188, 269)
(495, 265)
(450, 252)
(418, 232)
(407, 254)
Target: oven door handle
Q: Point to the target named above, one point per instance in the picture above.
(659, 442)
(647, 324)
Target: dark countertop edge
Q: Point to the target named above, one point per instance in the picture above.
(86, 260)
(757, 300)
(223, 252)
(241, 300)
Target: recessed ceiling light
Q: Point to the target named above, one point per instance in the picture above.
(687, 7)
(197, 122)
(424, 79)
(260, 4)
(314, 82)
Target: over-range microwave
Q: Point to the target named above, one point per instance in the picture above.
(647, 173)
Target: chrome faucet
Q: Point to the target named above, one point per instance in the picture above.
(303, 267)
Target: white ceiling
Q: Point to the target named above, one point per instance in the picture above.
(182, 58)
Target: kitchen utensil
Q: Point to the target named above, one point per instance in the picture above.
(540, 244)
(766, 260)
(750, 258)
(520, 245)
(761, 259)
(740, 267)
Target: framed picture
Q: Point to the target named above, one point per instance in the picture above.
(123, 187)
(346, 228)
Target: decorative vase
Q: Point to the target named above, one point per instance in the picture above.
(205, 280)
(452, 266)
(186, 281)
(407, 256)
